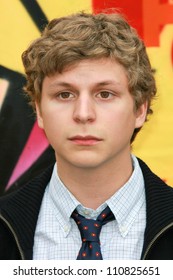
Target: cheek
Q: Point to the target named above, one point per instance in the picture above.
(52, 124)
(120, 115)
(120, 123)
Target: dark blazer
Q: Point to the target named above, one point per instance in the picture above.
(19, 213)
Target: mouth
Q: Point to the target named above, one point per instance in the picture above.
(87, 140)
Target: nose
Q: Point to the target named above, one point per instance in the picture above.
(84, 110)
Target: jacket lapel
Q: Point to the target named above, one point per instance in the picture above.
(159, 205)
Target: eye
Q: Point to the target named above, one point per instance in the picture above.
(65, 95)
(105, 94)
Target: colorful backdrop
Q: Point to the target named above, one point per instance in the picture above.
(24, 151)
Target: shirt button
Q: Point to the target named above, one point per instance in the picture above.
(86, 212)
(123, 229)
(66, 228)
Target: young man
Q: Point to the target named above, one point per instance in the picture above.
(90, 81)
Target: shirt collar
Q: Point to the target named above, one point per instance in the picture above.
(125, 203)
(61, 197)
(63, 202)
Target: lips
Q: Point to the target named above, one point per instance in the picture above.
(87, 140)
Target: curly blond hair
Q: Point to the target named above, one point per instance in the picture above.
(68, 40)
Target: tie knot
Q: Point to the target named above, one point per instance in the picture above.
(89, 229)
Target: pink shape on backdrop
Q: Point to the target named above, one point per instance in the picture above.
(35, 146)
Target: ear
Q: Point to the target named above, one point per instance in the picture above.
(39, 115)
(141, 115)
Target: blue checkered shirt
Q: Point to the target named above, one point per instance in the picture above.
(57, 236)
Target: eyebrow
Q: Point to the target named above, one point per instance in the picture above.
(55, 84)
(65, 84)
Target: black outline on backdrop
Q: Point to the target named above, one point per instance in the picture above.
(9, 151)
(36, 13)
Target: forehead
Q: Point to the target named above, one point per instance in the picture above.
(90, 71)
(105, 64)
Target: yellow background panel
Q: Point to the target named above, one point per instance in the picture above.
(155, 143)
(56, 8)
(17, 30)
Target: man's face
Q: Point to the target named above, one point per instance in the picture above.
(88, 114)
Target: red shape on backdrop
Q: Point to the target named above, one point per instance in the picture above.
(36, 144)
(132, 9)
(152, 22)
(148, 17)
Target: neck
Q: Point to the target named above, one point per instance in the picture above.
(92, 187)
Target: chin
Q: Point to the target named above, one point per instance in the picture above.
(85, 163)
(82, 161)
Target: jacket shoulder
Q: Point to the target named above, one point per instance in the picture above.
(28, 191)
(18, 216)
(151, 177)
